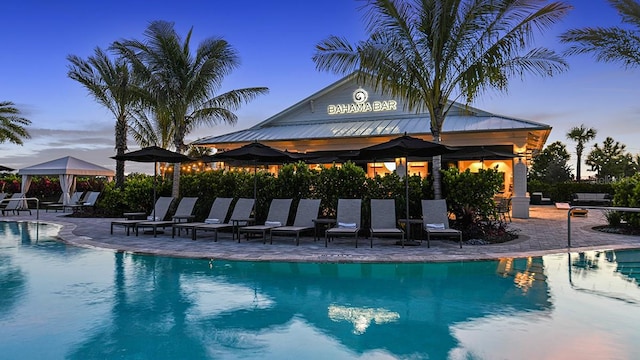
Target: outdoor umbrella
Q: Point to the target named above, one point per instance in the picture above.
(254, 153)
(4, 168)
(407, 147)
(498, 152)
(154, 154)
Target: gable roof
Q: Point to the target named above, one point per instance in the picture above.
(67, 165)
(335, 112)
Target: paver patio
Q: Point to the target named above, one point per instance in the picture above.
(545, 232)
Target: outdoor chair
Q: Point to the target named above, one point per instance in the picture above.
(383, 220)
(184, 211)
(160, 210)
(305, 214)
(16, 204)
(347, 220)
(503, 208)
(217, 214)
(88, 202)
(241, 215)
(277, 216)
(436, 220)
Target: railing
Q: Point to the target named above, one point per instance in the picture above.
(605, 208)
(7, 200)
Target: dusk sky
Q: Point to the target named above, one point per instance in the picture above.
(275, 41)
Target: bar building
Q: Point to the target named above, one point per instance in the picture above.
(348, 115)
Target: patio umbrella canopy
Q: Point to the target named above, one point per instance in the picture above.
(4, 168)
(254, 153)
(154, 154)
(498, 152)
(407, 147)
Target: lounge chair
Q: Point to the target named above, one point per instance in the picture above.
(184, 211)
(16, 204)
(75, 199)
(277, 216)
(160, 210)
(306, 213)
(436, 220)
(347, 220)
(88, 202)
(383, 219)
(241, 215)
(217, 214)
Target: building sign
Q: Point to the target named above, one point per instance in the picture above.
(361, 105)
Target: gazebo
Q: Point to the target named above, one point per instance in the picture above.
(67, 168)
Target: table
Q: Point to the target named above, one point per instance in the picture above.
(416, 228)
(236, 226)
(324, 223)
(135, 215)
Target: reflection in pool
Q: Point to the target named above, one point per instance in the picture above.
(64, 302)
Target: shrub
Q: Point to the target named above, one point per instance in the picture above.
(627, 194)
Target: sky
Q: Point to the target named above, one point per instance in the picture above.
(275, 41)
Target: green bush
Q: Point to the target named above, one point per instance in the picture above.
(627, 194)
(470, 195)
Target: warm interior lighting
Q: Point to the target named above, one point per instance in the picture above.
(391, 166)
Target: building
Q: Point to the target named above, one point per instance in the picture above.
(348, 115)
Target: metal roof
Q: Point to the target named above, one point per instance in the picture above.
(377, 127)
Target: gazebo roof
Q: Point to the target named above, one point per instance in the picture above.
(68, 165)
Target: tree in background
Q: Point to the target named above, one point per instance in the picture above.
(12, 125)
(611, 161)
(551, 165)
(111, 83)
(612, 44)
(182, 85)
(429, 53)
(581, 135)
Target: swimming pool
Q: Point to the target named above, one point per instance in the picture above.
(60, 302)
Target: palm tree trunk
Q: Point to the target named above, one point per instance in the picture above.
(578, 170)
(436, 126)
(121, 148)
(175, 189)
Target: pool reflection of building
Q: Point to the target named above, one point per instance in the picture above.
(348, 116)
(404, 309)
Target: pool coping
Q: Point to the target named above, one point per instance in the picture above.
(544, 233)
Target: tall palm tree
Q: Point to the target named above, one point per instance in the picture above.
(12, 125)
(111, 83)
(612, 44)
(581, 135)
(430, 52)
(184, 84)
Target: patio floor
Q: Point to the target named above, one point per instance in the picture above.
(545, 232)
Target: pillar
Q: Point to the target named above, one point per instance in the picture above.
(520, 200)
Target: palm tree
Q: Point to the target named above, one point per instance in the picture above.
(12, 124)
(112, 85)
(612, 44)
(581, 135)
(184, 84)
(428, 53)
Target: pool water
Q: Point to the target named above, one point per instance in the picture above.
(63, 302)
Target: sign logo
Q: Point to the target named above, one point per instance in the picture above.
(361, 105)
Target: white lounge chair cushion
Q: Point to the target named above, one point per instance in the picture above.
(272, 223)
(151, 218)
(212, 221)
(347, 225)
(434, 226)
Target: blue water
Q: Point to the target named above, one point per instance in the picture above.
(62, 302)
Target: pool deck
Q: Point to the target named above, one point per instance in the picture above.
(545, 232)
